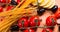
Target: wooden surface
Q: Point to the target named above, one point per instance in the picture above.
(58, 2)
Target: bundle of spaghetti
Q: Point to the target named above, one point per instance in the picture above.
(6, 21)
(12, 16)
(8, 17)
(7, 13)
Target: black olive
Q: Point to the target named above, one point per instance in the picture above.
(13, 2)
(41, 11)
(14, 28)
(54, 8)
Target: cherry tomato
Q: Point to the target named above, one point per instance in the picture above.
(18, 1)
(1, 9)
(9, 8)
(57, 14)
(3, 1)
(47, 30)
(23, 22)
(34, 21)
(29, 30)
(51, 21)
(24, 16)
(8, 1)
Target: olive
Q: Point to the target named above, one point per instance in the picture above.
(14, 28)
(54, 8)
(41, 11)
(13, 2)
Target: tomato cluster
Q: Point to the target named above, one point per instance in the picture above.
(52, 20)
(29, 23)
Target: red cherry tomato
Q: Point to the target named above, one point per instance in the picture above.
(3, 1)
(18, 1)
(29, 30)
(23, 22)
(1, 9)
(24, 16)
(34, 21)
(57, 14)
(9, 8)
(47, 30)
(8, 1)
(51, 21)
